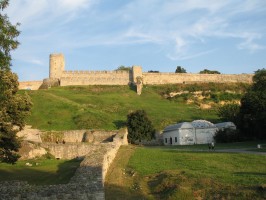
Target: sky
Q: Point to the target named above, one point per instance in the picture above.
(224, 35)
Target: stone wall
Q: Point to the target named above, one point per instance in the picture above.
(87, 183)
(173, 78)
(124, 78)
(95, 78)
(30, 85)
(57, 72)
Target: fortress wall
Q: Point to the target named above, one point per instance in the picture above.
(30, 85)
(173, 78)
(94, 78)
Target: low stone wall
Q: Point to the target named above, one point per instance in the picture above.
(119, 139)
(30, 85)
(98, 136)
(87, 183)
(70, 150)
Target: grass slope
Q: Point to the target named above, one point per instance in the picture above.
(163, 173)
(106, 107)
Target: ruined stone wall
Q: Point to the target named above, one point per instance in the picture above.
(86, 184)
(30, 85)
(173, 78)
(95, 78)
(75, 145)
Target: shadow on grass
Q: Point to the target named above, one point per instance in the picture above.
(42, 172)
(119, 124)
(132, 87)
(249, 174)
(115, 192)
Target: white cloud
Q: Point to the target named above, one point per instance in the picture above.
(188, 56)
(72, 4)
(39, 12)
(180, 27)
(249, 42)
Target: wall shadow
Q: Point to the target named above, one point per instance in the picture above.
(119, 124)
(38, 175)
(114, 192)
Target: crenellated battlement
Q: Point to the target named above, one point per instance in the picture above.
(93, 72)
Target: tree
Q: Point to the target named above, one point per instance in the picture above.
(180, 69)
(229, 112)
(253, 107)
(123, 68)
(206, 71)
(227, 135)
(139, 126)
(13, 107)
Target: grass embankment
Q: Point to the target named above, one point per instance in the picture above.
(42, 171)
(163, 173)
(106, 107)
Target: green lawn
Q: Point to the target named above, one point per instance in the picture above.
(42, 171)
(164, 173)
(106, 107)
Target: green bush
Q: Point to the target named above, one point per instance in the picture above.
(139, 126)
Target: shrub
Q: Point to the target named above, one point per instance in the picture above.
(227, 136)
(139, 126)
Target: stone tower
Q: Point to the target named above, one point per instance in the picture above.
(57, 66)
(137, 72)
(137, 78)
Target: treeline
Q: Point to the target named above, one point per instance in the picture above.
(250, 115)
(179, 69)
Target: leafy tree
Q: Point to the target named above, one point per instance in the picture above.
(139, 126)
(229, 112)
(206, 71)
(123, 68)
(253, 107)
(180, 69)
(13, 107)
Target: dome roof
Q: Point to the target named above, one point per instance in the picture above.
(183, 125)
(225, 125)
(202, 124)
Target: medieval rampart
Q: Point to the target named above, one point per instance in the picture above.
(58, 74)
(95, 78)
(57, 70)
(173, 78)
(88, 181)
(125, 78)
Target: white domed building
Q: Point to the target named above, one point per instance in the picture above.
(204, 131)
(179, 134)
(226, 125)
(187, 133)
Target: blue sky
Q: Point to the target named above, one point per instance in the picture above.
(224, 35)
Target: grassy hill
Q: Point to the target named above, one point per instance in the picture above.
(106, 107)
(186, 173)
